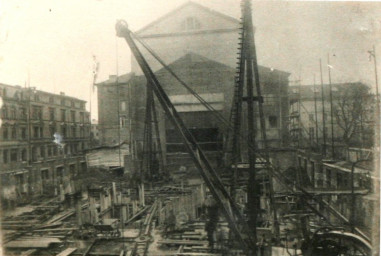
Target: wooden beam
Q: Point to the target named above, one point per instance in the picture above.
(67, 252)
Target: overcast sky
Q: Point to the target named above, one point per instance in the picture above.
(52, 41)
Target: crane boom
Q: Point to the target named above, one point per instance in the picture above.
(209, 175)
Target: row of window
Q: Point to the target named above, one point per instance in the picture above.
(64, 116)
(327, 178)
(11, 112)
(19, 95)
(11, 132)
(60, 172)
(40, 152)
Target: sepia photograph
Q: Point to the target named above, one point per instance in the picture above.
(190, 128)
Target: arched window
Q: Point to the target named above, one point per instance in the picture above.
(190, 23)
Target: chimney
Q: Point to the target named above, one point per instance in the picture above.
(112, 78)
(62, 93)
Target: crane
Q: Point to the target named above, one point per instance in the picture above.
(210, 176)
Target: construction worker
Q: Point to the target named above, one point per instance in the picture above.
(212, 220)
(170, 223)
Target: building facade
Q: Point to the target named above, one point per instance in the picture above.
(94, 134)
(190, 28)
(42, 137)
(352, 118)
(213, 81)
(350, 185)
(200, 46)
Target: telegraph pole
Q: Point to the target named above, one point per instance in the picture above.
(323, 110)
(316, 121)
(373, 54)
(331, 103)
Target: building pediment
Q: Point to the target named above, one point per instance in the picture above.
(189, 18)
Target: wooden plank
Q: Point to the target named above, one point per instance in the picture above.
(67, 252)
(181, 248)
(197, 254)
(55, 229)
(32, 243)
(182, 242)
(28, 252)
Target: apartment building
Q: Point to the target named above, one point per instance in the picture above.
(42, 137)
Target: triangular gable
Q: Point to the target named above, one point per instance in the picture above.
(192, 58)
(176, 21)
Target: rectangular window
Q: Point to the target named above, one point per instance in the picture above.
(64, 131)
(13, 155)
(23, 113)
(5, 132)
(42, 151)
(34, 153)
(62, 102)
(36, 130)
(52, 112)
(123, 106)
(63, 115)
(51, 99)
(72, 113)
(82, 117)
(44, 174)
(23, 155)
(41, 132)
(52, 130)
(73, 132)
(37, 112)
(5, 156)
(14, 132)
(13, 112)
(273, 121)
(311, 117)
(5, 112)
(123, 121)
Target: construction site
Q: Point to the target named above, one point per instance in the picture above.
(226, 170)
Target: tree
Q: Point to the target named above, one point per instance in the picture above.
(353, 107)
